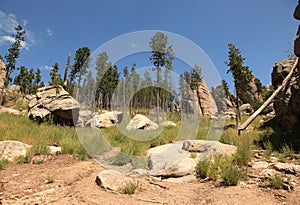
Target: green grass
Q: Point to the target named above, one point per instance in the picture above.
(276, 182)
(3, 163)
(130, 187)
(22, 129)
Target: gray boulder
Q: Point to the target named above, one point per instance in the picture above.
(141, 122)
(105, 120)
(55, 101)
(175, 160)
(11, 150)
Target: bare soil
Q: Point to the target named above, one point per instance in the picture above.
(74, 183)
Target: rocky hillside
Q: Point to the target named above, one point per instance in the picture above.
(287, 103)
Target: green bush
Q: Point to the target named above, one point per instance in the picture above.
(202, 168)
(276, 182)
(130, 187)
(231, 176)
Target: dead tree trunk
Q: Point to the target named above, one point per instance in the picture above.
(276, 92)
(66, 72)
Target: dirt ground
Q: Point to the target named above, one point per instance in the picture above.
(74, 183)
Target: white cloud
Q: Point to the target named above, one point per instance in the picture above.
(49, 32)
(4, 39)
(8, 24)
(46, 67)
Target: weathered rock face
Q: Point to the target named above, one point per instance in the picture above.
(287, 102)
(200, 102)
(190, 104)
(141, 122)
(251, 94)
(2, 74)
(54, 101)
(207, 103)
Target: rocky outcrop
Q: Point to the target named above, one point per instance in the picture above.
(287, 102)
(54, 101)
(190, 103)
(199, 102)
(251, 95)
(2, 79)
(2, 74)
(141, 122)
(207, 103)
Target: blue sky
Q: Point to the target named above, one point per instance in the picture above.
(263, 30)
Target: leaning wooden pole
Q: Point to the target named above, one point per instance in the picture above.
(270, 99)
(66, 72)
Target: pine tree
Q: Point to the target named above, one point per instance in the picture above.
(22, 79)
(241, 74)
(55, 77)
(14, 53)
(162, 55)
(79, 68)
(102, 65)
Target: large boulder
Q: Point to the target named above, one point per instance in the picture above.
(105, 120)
(55, 101)
(11, 150)
(287, 102)
(175, 160)
(141, 122)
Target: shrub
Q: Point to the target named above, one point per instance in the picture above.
(267, 145)
(276, 182)
(243, 155)
(130, 187)
(231, 176)
(287, 151)
(202, 168)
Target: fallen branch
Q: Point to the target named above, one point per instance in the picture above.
(270, 99)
